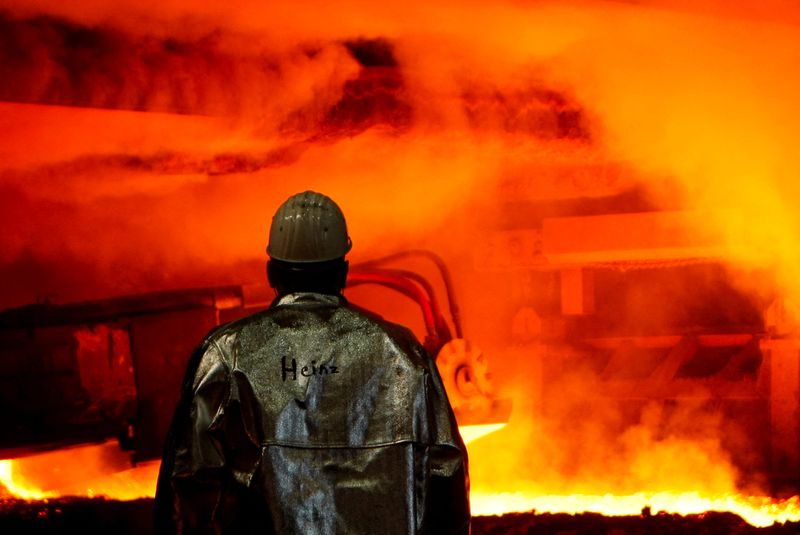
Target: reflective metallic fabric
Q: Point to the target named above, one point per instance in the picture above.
(313, 418)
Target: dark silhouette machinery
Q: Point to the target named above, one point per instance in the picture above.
(87, 372)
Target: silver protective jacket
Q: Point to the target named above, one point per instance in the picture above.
(313, 417)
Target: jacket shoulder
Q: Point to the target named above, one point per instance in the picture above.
(377, 319)
(220, 333)
(399, 334)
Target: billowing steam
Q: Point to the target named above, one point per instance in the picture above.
(233, 126)
(145, 145)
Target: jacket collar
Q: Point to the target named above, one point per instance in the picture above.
(306, 298)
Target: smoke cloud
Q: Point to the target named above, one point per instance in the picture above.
(145, 145)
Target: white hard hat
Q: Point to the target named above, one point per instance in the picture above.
(308, 227)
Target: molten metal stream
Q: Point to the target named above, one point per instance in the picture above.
(86, 471)
(757, 511)
(80, 472)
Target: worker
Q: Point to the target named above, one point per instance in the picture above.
(313, 416)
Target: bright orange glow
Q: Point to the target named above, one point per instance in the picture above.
(94, 476)
(17, 488)
(474, 432)
(489, 115)
(757, 511)
(88, 471)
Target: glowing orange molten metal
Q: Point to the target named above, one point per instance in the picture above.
(89, 472)
(757, 511)
(486, 110)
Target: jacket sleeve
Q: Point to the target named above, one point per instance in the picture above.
(192, 472)
(447, 496)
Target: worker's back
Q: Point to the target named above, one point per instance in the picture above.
(312, 417)
(316, 418)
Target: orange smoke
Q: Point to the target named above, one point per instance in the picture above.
(430, 124)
